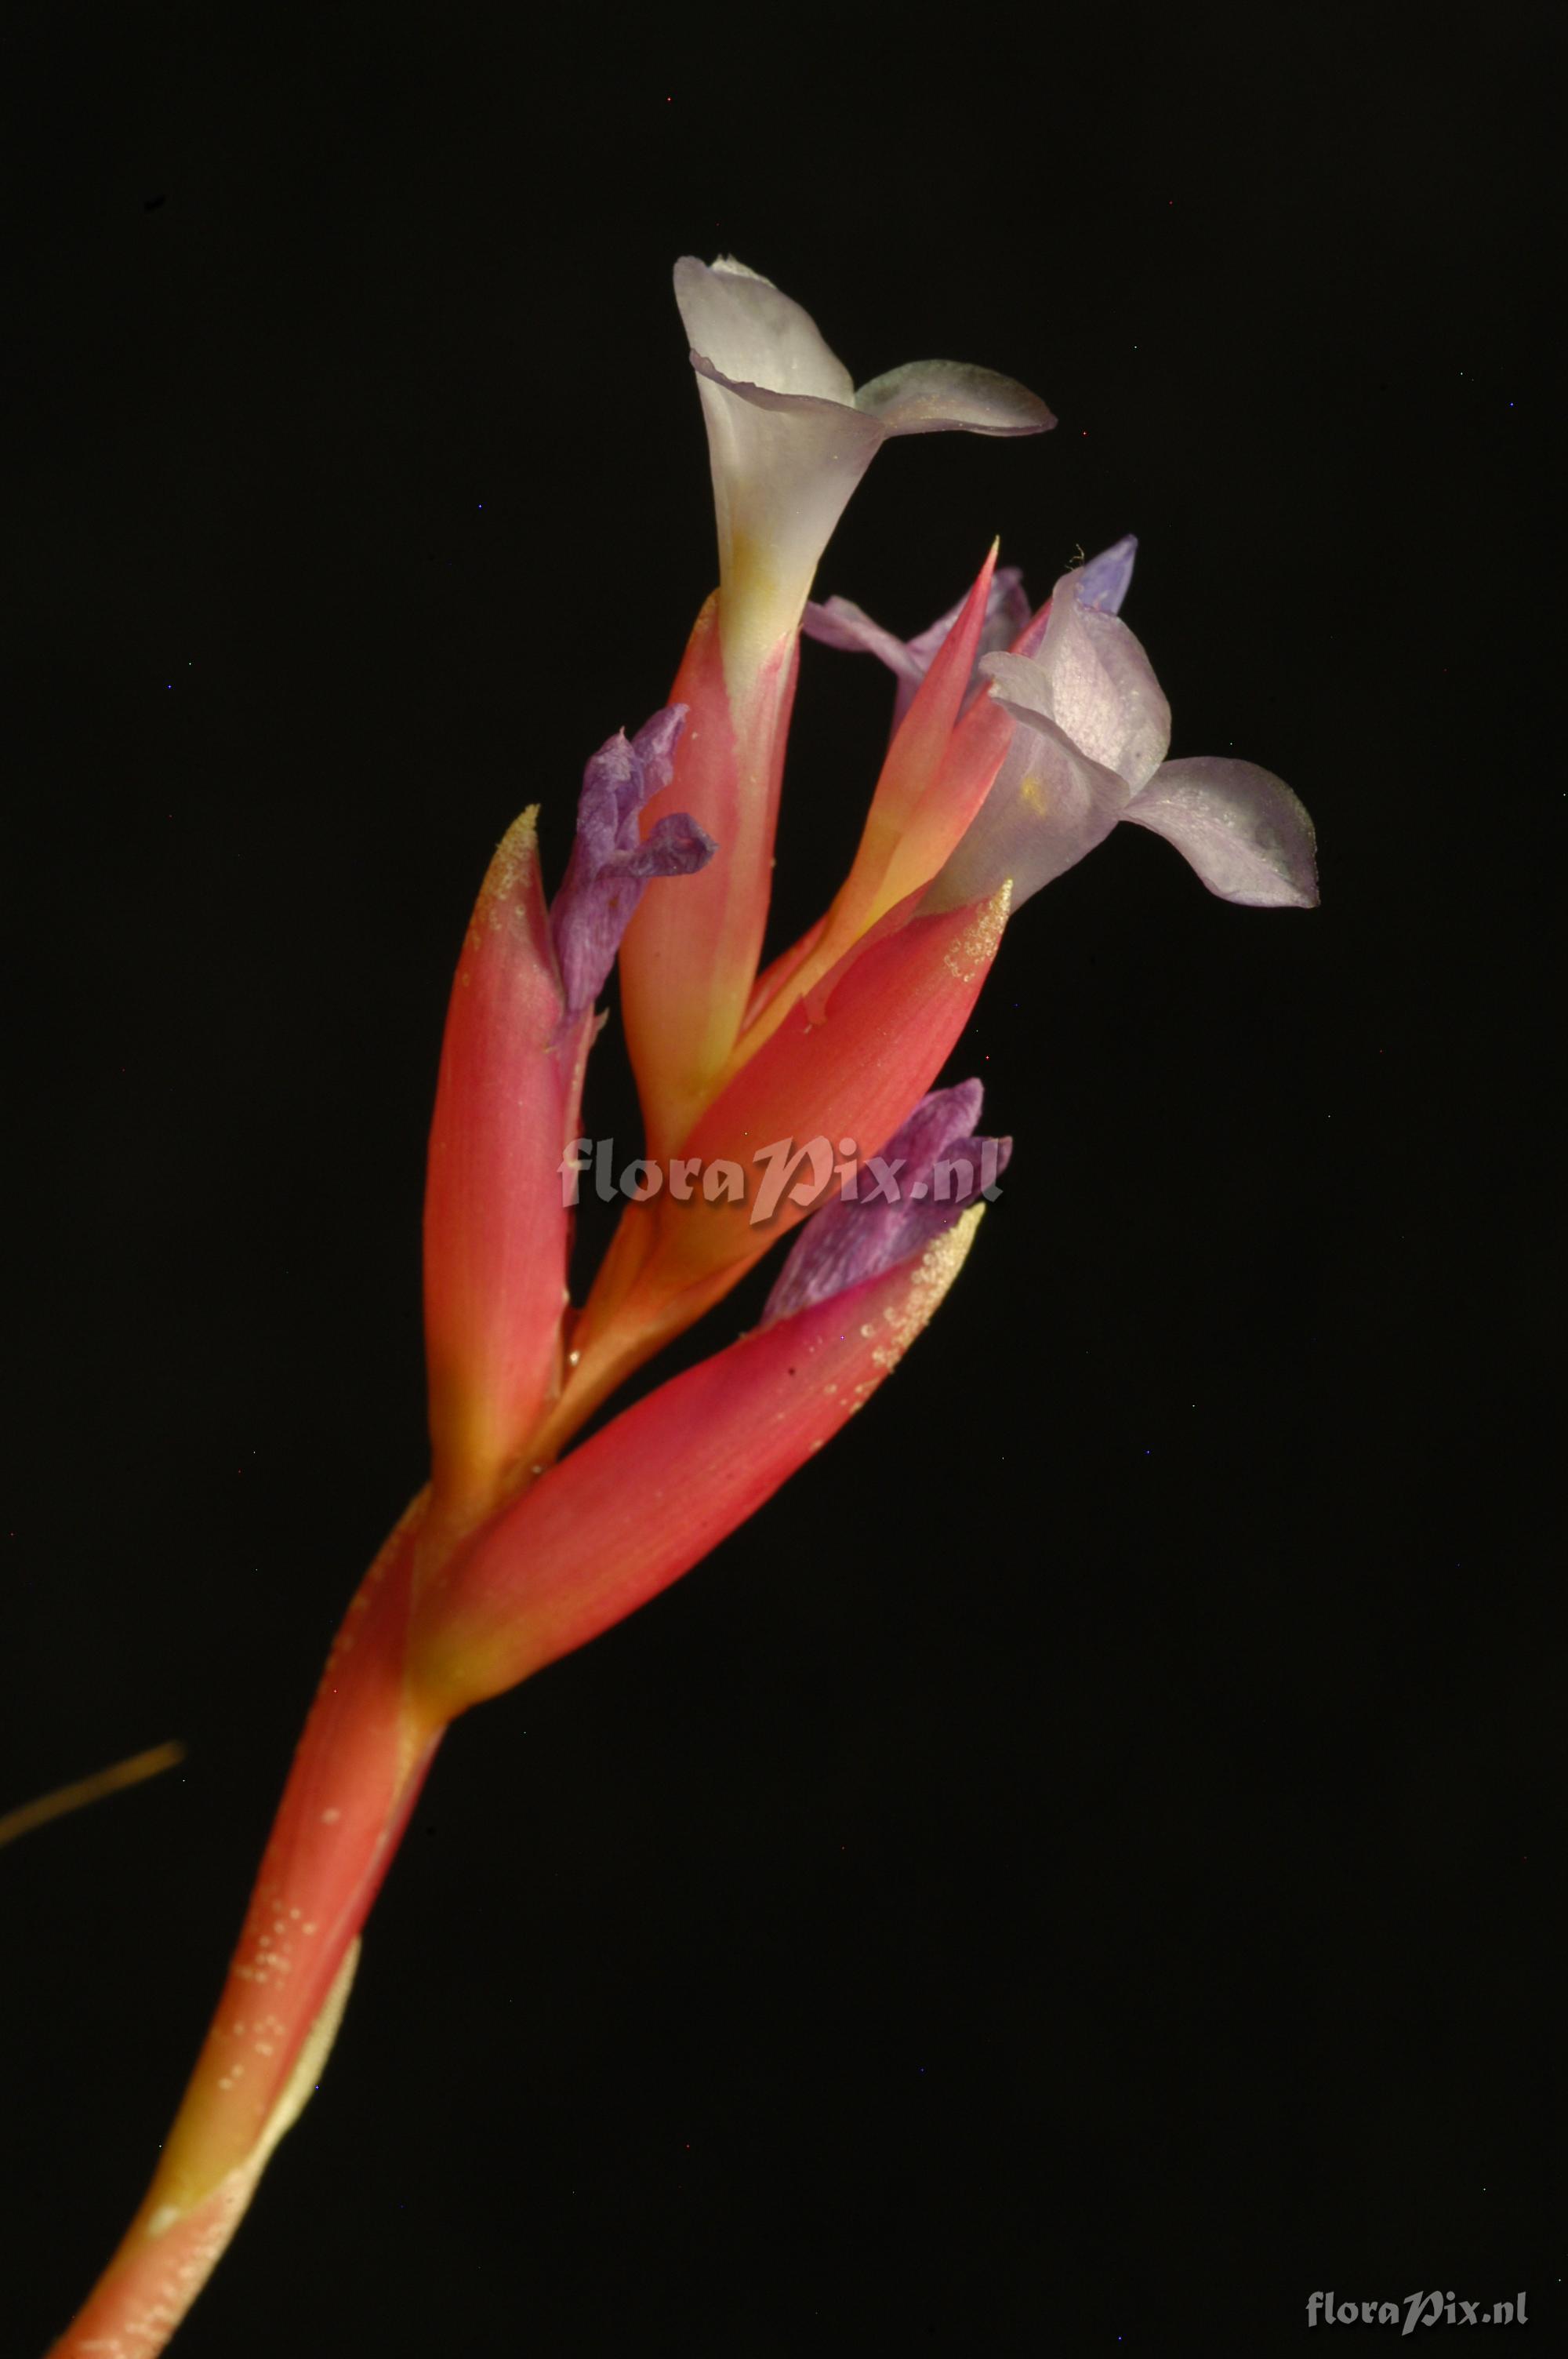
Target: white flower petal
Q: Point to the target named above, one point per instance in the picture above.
(1019, 682)
(1049, 805)
(738, 320)
(1244, 832)
(783, 467)
(924, 397)
(1092, 677)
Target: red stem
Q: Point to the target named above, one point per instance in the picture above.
(357, 1772)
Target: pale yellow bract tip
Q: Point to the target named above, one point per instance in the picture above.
(517, 855)
(932, 1276)
(971, 954)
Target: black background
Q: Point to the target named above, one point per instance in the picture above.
(1072, 1874)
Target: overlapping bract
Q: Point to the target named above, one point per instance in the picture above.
(1019, 742)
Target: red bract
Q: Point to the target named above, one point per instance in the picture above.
(495, 1225)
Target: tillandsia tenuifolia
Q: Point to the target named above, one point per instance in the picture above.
(799, 1097)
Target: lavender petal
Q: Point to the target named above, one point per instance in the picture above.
(849, 1241)
(838, 623)
(1049, 805)
(610, 864)
(1245, 832)
(1103, 583)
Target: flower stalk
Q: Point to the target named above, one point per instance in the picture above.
(1019, 741)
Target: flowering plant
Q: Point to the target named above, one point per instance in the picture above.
(1020, 740)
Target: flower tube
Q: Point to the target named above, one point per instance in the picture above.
(789, 439)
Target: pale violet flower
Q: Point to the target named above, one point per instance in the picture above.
(1088, 750)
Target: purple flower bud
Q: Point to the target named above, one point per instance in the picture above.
(929, 1171)
(611, 863)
